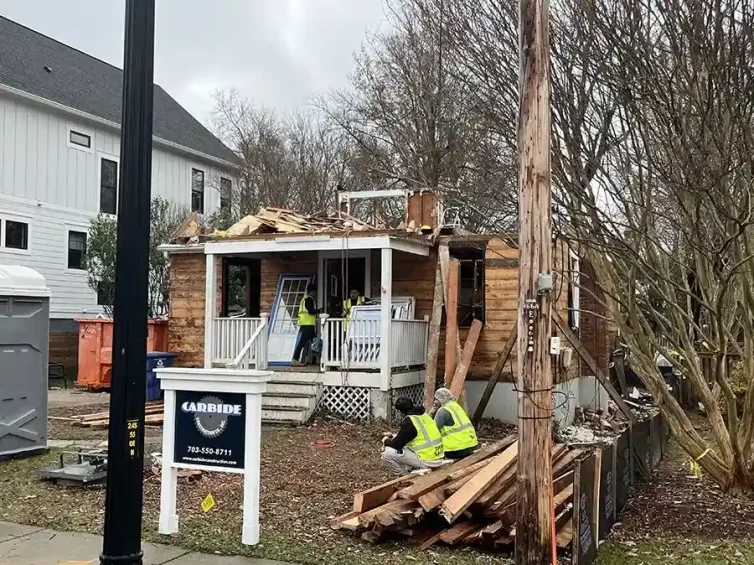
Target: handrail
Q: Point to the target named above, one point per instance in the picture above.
(246, 348)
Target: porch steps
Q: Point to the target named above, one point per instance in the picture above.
(291, 398)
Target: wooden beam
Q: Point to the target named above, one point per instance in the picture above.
(458, 532)
(459, 377)
(596, 496)
(378, 495)
(496, 372)
(457, 504)
(451, 322)
(534, 523)
(592, 364)
(433, 346)
(437, 477)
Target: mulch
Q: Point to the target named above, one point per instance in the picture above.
(677, 505)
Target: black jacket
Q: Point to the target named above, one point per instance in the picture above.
(406, 432)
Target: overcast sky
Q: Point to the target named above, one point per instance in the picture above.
(278, 53)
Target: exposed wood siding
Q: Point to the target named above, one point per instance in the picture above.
(187, 295)
(285, 264)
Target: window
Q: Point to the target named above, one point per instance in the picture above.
(80, 139)
(16, 235)
(105, 294)
(197, 191)
(471, 304)
(574, 298)
(76, 249)
(108, 186)
(226, 190)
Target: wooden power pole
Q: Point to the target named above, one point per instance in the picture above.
(534, 528)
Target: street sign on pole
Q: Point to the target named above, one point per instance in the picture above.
(123, 502)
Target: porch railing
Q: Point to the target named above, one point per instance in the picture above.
(231, 335)
(408, 341)
(254, 351)
(357, 346)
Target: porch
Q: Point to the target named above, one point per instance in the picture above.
(379, 352)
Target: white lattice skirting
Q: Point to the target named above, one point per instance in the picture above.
(349, 403)
(414, 392)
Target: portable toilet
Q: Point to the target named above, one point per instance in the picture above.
(24, 339)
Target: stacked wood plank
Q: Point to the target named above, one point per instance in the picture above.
(278, 220)
(153, 416)
(467, 502)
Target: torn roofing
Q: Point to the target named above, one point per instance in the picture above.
(44, 67)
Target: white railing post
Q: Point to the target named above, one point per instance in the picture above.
(324, 333)
(386, 318)
(262, 360)
(210, 305)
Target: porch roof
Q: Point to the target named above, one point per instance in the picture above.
(282, 243)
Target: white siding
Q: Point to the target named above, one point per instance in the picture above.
(56, 184)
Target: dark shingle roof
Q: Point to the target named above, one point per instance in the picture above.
(80, 81)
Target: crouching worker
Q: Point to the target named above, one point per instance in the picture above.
(458, 435)
(418, 443)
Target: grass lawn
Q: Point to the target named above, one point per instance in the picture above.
(674, 519)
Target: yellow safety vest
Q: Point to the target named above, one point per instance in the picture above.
(461, 435)
(428, 442)
(304, 317)
(347, 305)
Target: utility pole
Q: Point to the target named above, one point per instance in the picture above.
(534, 523)
(125, 453)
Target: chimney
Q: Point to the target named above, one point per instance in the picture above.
(422, 210)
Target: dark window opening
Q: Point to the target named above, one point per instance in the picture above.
(105, 294)
(16, 235)
(471, 304)
(76, 249)
(80, 139)
(242, 288)
(197, 191)
(226, 190)
(108, 187)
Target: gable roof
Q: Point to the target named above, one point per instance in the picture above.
(87, 84)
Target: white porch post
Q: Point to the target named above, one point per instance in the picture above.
(386, 318)
(210, 305)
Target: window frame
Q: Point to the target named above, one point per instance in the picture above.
(204, 188)
(230, 192)
(21, 219)
(68, 231)
(116, 160)
(81, 131)
(480, 259)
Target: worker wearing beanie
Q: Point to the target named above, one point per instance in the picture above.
(417, 445)
(458, 434)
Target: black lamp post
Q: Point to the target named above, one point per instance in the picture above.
(123, 506)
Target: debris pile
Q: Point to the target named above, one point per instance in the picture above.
(153, 416)
(278, 220)
(468, 502)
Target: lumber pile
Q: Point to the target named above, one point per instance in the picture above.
(467, 502)
(279, 220)
(153, 416)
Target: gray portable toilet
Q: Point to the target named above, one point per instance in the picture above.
(24, 340)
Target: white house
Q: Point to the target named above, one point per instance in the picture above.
(60, 111)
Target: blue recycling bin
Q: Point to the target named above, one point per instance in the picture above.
(157, 360)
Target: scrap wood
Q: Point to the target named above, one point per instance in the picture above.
(432, 480)
(565, 535)
(459, 377)
(396, 507)
(349, 521)
(379, 495)
(457, 504)
(433, 499)
(458, 532)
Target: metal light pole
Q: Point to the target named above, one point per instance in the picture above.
(125, 454)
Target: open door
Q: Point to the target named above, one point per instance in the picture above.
(284, 318)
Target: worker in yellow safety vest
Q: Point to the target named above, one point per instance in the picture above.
(458, 434)
(307, 324)
(354, 300)
(417, 445)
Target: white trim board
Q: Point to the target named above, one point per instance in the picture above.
(315, 242)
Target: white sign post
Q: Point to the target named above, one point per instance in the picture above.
(212, 422)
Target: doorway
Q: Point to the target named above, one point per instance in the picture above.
(340, 277)
(242, 287)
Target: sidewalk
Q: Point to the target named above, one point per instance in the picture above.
(29, 545)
